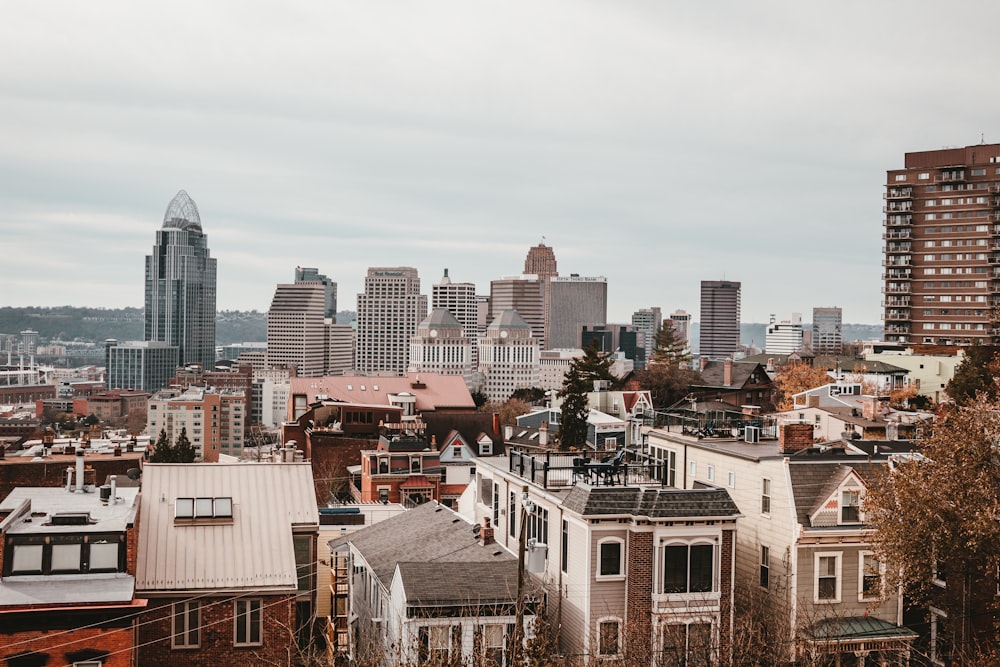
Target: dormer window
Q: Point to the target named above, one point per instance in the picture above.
(850, 506)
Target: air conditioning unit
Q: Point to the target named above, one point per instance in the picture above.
(751, 434)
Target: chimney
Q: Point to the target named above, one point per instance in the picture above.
(496, 424)
(727, 372)
(118, 449)
(79, 471)
(704, 362)
(543, 434)
(486, 532)
(114, 489)
(508, 432)
(794, 437)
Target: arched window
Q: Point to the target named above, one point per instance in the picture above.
(610, 557)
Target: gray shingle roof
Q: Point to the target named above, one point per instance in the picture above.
(509, 319)
(440, 318)
(813, 483)
(430, 534)
(653, 503)
(431, 584)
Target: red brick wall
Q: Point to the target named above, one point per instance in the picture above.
(217, 634)
(54, 635)
(726, 594)
(639, 588)
(795, 437)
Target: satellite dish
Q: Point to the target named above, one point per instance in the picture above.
(133, 473)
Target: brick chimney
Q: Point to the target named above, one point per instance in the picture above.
(727, 372)
(794, 437)
(486, 532)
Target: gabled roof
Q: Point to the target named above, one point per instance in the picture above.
(655, 503)
(508, 319)
(713, 375)
(472, 425)
(441, 318)
(814, 483)
(430, 533)
(254, 551)
(833, 482)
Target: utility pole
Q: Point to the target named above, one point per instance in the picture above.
(517, 639)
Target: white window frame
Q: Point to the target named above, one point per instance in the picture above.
(765, 496)
(180, 632)
(618, 644)
(711, 473)
(731, 482)
(693, 469)
(838, 568)
(841, 506)
(245, 616)
(861, 577)
(600, 560)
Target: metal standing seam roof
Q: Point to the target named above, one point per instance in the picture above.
(254, 551)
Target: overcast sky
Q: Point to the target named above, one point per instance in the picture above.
(655, 143)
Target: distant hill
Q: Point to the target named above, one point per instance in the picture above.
(68, 323)
(755, 332)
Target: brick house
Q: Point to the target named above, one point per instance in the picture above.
(227, 560)
(67, 576)
(632, 569)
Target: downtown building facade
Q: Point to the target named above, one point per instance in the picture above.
(508, 356)
(719, 336)
(302, 333)
(461, 301)
(389, 311)
(441, 346)
(942, 246)
(181, 285)
(785, 336)
(574, 301)
(648, 322)
(828, 331)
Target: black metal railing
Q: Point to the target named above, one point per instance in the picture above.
(553, 470)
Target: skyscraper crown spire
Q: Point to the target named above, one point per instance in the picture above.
(182, 213)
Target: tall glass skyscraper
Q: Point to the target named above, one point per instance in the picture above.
(180, 285)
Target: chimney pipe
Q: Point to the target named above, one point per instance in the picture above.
(79, 471)
(69, 478)
(486, 532)
(727, 372)
(114, 489)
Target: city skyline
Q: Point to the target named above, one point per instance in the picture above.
(747, 143)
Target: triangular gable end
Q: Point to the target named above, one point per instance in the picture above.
(829, 508)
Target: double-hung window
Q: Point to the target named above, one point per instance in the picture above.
(186, 631)
(611, 552)
(249, 625)
(765, 496)
(688, 568)
(828, 581)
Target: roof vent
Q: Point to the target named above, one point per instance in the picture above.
(70, 519)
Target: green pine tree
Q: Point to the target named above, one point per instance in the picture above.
(574, 411)
(184, 451)
(669, 349)
(163, 451)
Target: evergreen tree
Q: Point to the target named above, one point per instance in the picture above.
(163, 451)
(669, 349)
(974, 375)
(594, 365)
(574, 411)
(184, 452)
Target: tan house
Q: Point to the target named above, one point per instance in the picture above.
(802, 542)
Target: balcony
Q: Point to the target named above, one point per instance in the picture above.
(897, 301)
(898, 193)
(897, 288)
(899, 220)
(902, 260)
(898, 247)
(950, 176)
(900, 234)
(898, 207)
(897, 315)
(897, 329)
(897, 275)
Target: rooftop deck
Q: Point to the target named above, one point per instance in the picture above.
(561, 470)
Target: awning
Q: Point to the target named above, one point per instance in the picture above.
(858, 633)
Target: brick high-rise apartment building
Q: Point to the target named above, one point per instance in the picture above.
(942, 237)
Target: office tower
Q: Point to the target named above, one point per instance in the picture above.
(941, 212)
(180, 285)
(541, 261)
(574, 301)
(388, 313)
(827, 331)
(508, 356)
(172, 411)
(784, 337)
(719, 336)
(610, 338)
(461, 301)
(442, 346)
(141, 365)
(29, 342)
(526, 295)
(312, 275)
(296, 328)
(647, 321)
(680, 320)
